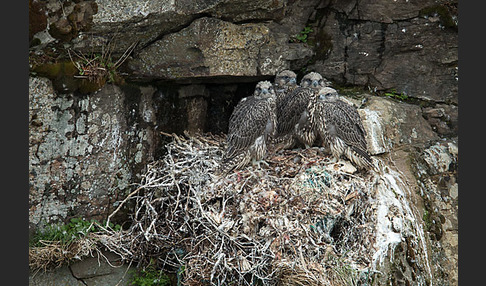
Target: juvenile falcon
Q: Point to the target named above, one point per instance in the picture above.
(314, 80)
(251, 125)
(294, 112)
(285, 82)
(340, 127)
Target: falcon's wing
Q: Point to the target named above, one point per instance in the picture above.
(346, 122)
(247, 122)
(352, 113)
(289, 112)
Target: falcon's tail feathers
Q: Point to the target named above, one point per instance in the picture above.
(234, 162)
(361, 158)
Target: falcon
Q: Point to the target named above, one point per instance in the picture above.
(284, 83)
(314, 80)
(251, 125)
(294, 113)
(339, 125)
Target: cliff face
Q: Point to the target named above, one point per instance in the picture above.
(191, 61)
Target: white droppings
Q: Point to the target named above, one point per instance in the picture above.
(396, 220)
(374, 130)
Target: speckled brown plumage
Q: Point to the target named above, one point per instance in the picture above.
(295, 111)
(250, 128)
(340, 127)
(284, 83)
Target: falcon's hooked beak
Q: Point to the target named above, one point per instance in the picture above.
(315, 83)
(293, 80)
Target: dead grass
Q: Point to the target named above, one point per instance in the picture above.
(53, 254)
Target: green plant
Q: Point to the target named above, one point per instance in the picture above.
(180, 272)
(99, 68)
(393, 94)
(64, 234)
(342, 273)
(427, 218)
(303, 35)
(67, 233)
(149, 276)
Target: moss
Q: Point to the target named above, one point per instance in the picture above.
(353, 91)
(56, 69)
(150, 276)
(87, 86)
(443, 12)
(427, 219)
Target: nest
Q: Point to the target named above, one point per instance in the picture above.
(298, 219)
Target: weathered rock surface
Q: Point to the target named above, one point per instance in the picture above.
(436, 171)
(102, 269)
(406, 47)
(60, 276)
(210, 47)
(83, 151)
(400, 46)
(391, 124)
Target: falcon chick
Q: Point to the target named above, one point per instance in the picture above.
(294, 113)
(285, 81)
(340, 127)
(251, 125)
(314, 80)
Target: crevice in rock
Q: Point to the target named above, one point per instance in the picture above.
(199, 16)
(72, 273)
(247, 21)
(175, 29)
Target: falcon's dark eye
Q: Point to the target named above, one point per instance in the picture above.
(259, 89)
(286, 77)
(270, 88)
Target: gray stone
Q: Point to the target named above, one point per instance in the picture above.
(210, 47)
(56, 277)
(412, 56)
(443, 118)
(79, 152)
(438, 158)
(105, 269)
(390, 124)
(387, 11)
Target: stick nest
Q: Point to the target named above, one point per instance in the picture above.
(299, 219)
